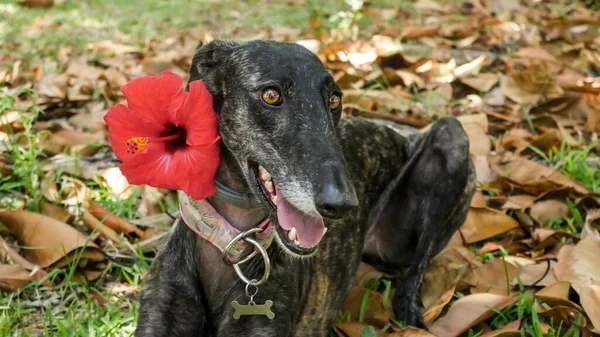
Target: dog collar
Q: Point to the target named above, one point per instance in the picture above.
(205, 221)
(240, 199)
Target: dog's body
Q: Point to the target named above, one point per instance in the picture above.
(412, 195)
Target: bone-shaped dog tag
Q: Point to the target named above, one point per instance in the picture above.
(252, 309)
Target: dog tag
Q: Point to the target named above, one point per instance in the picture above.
(252, 309)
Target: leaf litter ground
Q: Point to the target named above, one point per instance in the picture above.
(523, 77)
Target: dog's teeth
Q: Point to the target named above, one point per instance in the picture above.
(274, 199)
(264, 174)
(325, 231)
(292, 234)
(269, 186)
(297, 243)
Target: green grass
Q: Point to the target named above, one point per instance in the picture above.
(581, 165)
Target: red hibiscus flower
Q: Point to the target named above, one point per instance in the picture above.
(165, 137)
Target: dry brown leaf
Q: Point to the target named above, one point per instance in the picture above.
(383, 101)
(543, 211)
(109, 47)
(52, 242)
(539, 274)
(56, 212)
(377, 313)
(590, 301)
(350, 329)
(478, 119)
(533, 175)
(579, 265)
(557, 290)
(37, 3)
(81, 143)
(446, 270)
(479, 143)
(483, 82)
(568, 316)
(485, 223)
(493, 278)
(365, 274)
(71, 193)
(436, 309)
(410, 332)
(469, 311)
(483, 172)
(410, 31)
(117, 224)
(472, 67)
(13, 277)
(96, 225)
(543, 238)
(10, 255)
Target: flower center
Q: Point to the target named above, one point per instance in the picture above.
(136, 144)
(175, 138)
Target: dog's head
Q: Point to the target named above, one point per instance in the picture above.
(278, 109)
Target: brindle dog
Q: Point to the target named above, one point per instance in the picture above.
(392, 200)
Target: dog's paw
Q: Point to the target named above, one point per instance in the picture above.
(408, 311)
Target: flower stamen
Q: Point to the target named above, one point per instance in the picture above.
(168, 138)
(136, 144)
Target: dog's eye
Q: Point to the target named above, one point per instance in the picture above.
(334, 101)
(271, 96)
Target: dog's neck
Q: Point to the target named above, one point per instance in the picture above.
(230, 175)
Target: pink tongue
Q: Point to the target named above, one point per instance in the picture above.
(309, 228)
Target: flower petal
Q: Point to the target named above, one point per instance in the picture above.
(156, 98)
(154, 167)
(124, 124)
(201, 162)
(198, 117)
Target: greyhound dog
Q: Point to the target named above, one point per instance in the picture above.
(331, 189)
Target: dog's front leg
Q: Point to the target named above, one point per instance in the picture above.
(172, 302)
(420, 210)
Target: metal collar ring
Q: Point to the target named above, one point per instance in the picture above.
(234, 241)
(266, 260)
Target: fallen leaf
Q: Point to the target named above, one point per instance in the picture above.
(532, 175)
(445, 271)
(483, 82)
(469, 311)
(13, 277)
(109, 47)
(557, 290)
(436, 309)
(543, 211)
(494, 277)
(539, 274)
(410, 332)
(51, 243)
(56, 212)
(365, 274)
(376, 312)
(117, 224)
(479, 143)
(578, 264)
(566, 315)
(96, 225)
(485, 223)
(590, 301)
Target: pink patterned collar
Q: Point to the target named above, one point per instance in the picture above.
(205, 221)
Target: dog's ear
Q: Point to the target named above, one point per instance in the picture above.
(207, 63)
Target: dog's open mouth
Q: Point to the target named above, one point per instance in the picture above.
(299, 232)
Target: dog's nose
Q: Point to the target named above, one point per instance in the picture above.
(335, 193)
